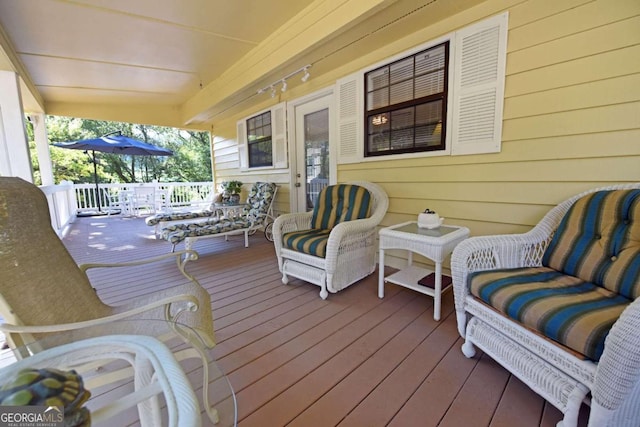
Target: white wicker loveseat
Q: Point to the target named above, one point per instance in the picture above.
(558, 306)
(334, 246)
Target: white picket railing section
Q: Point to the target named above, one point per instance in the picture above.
(66, 200)
(177, 194)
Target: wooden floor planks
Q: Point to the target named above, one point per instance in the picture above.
(294, 359)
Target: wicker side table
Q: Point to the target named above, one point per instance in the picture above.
(435, 244)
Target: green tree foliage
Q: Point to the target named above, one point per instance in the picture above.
(191, 160)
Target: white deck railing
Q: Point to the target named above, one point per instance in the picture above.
(67, 200)
(178, 194)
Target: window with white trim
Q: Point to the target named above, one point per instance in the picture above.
(259, 147)
(406, 104)
(442, 98)
(262, 139)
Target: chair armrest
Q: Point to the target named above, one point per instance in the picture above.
(192, 305)
(494, 252)
(181, 261)
(346, 233)
(287, 223)
(616, 389)
(292, 222)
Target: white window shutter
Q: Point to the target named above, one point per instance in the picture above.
(279, 135)
(350, 92)
(478, 86)
(243, 154)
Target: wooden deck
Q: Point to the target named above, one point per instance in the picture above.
(294, 359)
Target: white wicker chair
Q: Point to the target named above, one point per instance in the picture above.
(559, 376)
(351, 248)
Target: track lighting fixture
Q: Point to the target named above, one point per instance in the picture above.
(306, 75)
(283, 81)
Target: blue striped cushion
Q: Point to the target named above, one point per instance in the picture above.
(312, 242)
(339, 203)
(598, 240)
(564, 308)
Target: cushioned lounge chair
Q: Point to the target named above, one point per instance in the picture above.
(335, 245)
(559, 306)
(255, 215)
(202, 214)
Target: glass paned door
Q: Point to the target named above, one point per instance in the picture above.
(316, 154)
(313, 163)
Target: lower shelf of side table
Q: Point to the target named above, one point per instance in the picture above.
(409, 276)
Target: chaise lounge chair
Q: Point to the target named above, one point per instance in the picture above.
(256, 214)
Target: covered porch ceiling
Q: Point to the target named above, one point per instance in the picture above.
(188, 64)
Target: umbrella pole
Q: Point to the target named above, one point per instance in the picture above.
(95, 177)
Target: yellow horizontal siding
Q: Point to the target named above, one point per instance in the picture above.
(591, 42)
(571, 120)
(541, 27)
(616, 90)
(615, 63)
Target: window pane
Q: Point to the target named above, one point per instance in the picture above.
(402, 92)
(429, 136)
(379, 123)
(402, 70)
(378, 99)
(402, 118)
(429, 124)
(430, 84)
(260, 153)
(429, 113)
(402, 139)
(378, 142)
(378, 79)
(430, 60)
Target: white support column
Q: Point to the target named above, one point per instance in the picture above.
(42, 147)
(14, 148)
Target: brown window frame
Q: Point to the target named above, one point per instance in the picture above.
(384, 115)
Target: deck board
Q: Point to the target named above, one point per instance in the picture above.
(294, 359)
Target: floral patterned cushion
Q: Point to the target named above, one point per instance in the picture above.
(178, 232)
(178, 216)
(253, 214)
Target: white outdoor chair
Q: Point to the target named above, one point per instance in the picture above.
(145, 198)
(157, 378)
(335, 245)
(559, 305)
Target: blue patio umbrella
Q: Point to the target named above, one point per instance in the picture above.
(114, 143)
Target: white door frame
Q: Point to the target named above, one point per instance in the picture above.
(293, 143)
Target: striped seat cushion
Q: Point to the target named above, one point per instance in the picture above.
(564, 308)
(598, 240)
(339, 203)
(312, 242)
